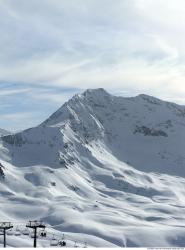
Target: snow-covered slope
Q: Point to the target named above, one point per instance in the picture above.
(143, 131)
(108, 170)
(4, 132)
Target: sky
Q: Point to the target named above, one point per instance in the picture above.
(53, 49)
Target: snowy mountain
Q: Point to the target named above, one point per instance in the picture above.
(104, 169)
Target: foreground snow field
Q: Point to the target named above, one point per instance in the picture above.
(104, 171)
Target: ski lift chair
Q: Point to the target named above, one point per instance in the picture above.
(10, 232)
(25, 232)
(54, 242)
(63, 236)
(62, 243)
(43, 233)
(75, 245)
(17, 232)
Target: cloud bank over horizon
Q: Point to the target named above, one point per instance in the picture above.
(52, 49)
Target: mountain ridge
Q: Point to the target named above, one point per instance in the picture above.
(108, 169)
(97, 115)
(100, 93)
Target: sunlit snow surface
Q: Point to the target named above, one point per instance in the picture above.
(104, 170)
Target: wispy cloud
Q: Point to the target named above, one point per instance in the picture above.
(8, 92)
(20, 121)
(21, 108)
(132, 46)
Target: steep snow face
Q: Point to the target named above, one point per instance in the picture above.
(108, 170)
(143, 131)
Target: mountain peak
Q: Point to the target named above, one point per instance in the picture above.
(97, 96)
(98, 91)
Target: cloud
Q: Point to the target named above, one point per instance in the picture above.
(55, 96)
(7, 92)
(30, 119)
(21, 108)
(132, 46)
(63, 43)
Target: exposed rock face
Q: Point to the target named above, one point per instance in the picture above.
(149, 131)
(2, 175)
